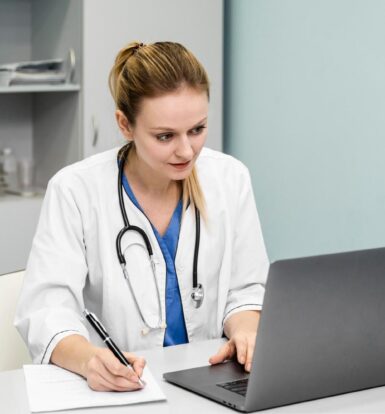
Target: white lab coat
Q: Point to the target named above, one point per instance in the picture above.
(73, 262)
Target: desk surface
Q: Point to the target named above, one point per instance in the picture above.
(13, 397)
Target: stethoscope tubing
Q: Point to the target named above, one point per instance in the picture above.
(128, 227)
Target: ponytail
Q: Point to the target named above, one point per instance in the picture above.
(144, 71)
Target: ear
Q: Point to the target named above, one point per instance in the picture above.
(124, 125)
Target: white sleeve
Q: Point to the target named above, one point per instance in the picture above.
(250, 263)
(51, 301)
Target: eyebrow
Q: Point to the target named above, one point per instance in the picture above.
(171, 129)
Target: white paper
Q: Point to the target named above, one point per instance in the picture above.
(51, 388)
(33, 65)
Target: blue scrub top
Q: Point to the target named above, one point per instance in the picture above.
(176, 332)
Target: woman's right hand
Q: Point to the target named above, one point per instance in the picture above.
(104, 372)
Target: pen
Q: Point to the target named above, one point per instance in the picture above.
(101, 331)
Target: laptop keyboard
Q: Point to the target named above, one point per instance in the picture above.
(239, 386)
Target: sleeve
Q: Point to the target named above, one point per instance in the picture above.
(250, 263)
(51, 301)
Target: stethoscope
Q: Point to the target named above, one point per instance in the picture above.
(197, 293)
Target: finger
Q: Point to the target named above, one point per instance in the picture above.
(137, 363)
(116, 368)
(100, 378)
(138, 366)
(241, 347)
(249, 356)
(225, 352)
(131, 358)
(99, 383)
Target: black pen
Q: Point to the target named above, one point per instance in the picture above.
(101, 331)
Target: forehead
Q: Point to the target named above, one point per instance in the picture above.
(180, 108)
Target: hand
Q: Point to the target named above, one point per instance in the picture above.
(240, 345)
(104, 372)
(241, 328)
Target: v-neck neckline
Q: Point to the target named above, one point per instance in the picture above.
(175, 215)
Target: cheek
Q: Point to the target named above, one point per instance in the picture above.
(157, 153)
(200, 142)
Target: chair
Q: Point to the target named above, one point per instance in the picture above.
(13, 351)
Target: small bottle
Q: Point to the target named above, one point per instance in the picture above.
(9, 167)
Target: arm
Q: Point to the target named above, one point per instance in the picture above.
(249, 269)
(49, 312)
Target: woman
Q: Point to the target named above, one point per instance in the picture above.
(195, 205)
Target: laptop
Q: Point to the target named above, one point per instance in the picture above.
(322, 333)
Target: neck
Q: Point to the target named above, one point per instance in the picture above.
(142, 178)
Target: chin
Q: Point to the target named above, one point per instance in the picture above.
(180, 176)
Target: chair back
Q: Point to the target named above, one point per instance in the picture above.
(13, 351)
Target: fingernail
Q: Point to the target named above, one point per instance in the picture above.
(242, 359)
(248, 367)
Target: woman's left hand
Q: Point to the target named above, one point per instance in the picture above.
(241, 329)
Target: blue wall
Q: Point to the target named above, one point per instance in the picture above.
(305, 111)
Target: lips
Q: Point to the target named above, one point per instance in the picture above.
(181, 166)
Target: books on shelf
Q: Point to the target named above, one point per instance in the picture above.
(38, 72)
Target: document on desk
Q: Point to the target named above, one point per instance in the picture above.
(51, 388)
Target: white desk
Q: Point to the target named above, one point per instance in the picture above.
(13, 397)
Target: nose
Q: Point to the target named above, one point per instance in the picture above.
(184, 150)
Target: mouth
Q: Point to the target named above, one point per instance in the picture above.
(181, 166)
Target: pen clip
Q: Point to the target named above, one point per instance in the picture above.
(94, 318)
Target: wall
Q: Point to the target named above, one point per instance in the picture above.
(305, 106)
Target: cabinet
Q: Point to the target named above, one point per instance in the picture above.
(57, 126)
(42, 123)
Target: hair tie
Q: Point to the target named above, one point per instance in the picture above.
(138, 46)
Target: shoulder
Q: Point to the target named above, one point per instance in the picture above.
(211, 163)
(91, 170)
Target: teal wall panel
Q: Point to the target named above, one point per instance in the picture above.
(305, 111)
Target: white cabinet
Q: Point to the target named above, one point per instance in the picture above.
(58, 126)
(39, 122)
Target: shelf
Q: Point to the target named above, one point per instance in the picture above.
(11, 199)
(39, 88)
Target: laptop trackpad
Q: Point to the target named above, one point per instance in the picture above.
(210, 375)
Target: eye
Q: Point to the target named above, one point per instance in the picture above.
(164, 137)
(197, 130)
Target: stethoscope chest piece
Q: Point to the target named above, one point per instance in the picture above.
(198, 295)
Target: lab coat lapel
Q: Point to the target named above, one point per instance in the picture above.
(184, 260)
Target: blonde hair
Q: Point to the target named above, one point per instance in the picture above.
(145, 71)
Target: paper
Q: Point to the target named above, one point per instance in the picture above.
(33, 66)
(35, 72)
(51, 388)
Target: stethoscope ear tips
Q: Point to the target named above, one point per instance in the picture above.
(147, 329)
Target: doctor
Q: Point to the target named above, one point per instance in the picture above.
(192, 266)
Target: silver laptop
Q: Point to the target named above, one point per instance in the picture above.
(322, 333)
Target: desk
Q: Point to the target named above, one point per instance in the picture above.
(13, 397)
